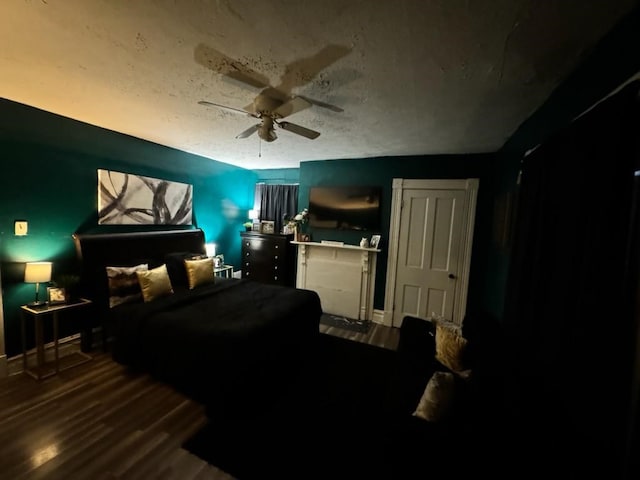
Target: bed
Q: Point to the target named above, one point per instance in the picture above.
(218, 341)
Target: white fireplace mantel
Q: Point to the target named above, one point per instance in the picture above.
(342, 275)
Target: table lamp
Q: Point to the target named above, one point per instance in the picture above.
(37, 272)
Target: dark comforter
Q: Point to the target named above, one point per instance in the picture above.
(219, 341)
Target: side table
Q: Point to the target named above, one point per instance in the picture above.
(223, 271)
(38, 314)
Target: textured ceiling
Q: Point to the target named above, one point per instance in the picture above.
(383, 78)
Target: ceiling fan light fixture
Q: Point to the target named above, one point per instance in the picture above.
(266, 131)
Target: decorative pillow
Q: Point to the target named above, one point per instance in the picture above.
(154, 283)
(199, 272)
(437, 400)
(176, 268)
(450, 347)
(123, 284)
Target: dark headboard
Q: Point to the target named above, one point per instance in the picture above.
(96, 251)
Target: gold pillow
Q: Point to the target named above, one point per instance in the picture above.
(437, 398)
(199, 272)
(450, 347)
(154, 283)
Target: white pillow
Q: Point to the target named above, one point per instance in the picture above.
(123, 284)
(437, 398)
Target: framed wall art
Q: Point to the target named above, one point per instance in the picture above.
(128, 199)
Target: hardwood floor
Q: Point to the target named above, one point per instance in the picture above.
(100, 421)
(378, 335)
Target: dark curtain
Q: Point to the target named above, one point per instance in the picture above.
(632, 463)
(568, 314)
(274, 202)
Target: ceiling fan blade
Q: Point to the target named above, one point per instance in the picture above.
(297, 129)
(250, 78)
(249, 131)
(292, 106)
(318, 103)
(224, 107)
(251, 109)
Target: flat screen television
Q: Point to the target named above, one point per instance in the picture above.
(345, 208)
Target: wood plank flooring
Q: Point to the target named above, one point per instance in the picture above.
(100, 421)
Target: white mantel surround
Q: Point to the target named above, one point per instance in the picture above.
(342, 275)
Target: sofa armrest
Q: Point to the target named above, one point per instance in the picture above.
(417, 339)
(415, 363)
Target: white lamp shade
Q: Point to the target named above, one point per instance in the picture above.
(37, 272)
(210, 248)
(253, 214)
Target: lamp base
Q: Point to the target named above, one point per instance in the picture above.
(37, 304)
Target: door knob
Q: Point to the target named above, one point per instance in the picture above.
(452, 276)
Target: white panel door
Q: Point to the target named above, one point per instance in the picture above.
(434, 228)
(428, 252)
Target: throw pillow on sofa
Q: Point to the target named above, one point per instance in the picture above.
(450, 347)
(437, 400)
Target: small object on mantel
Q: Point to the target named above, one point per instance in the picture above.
(332, 242)
(364, 243)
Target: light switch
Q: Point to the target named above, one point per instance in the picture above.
(21, 227)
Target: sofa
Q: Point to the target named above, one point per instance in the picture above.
(351, 415)
(463, 435)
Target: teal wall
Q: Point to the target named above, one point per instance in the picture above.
(278, 175)
(381, 171)
(49, 178)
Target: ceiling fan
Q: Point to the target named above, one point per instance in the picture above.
(270, 111)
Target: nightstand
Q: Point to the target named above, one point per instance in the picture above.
(39, 314)
(223, 271)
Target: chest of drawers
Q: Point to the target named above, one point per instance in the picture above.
(268, 258)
